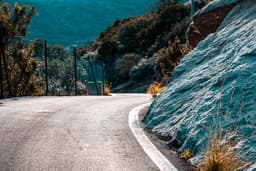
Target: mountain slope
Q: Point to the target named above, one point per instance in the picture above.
(79, 22)
(213, 85)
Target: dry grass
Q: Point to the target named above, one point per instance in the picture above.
(187, 154)
(221, 156)
(155, 89)
(221, 153)
(107, 89)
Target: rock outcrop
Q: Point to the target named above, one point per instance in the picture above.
(207, 21)
(214, 83)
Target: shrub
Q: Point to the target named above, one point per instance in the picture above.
(125, 64)
(143, 71)
(221, 153)
(155, 88)
(168, 58)
(107, 49)
(186, 154)
(107, 90)
(17, 64)
(220, 156)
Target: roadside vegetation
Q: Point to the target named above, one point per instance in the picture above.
(155, 89)
(17, 64)
(221, 152)
(22, 62)
(133, 49)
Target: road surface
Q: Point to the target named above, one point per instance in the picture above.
(70, 133)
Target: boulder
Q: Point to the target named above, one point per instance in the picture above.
(207, 20)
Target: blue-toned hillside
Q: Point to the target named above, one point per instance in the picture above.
(79, 21)
(215, 83)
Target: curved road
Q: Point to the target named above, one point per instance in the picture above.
(70, 133)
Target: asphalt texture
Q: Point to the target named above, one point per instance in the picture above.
(70, 133)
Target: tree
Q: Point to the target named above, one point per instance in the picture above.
(162, 3)
(17, 65)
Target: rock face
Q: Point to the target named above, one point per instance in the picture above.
(214, 83)
(207, 21)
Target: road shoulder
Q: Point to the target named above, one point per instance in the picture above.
(161, 144)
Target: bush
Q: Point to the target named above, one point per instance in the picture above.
(220, 156)
(107, 90)
(155, 89)
(167, 59)
(107, 49)
(17, 64)
(125, 64)
(143, 71)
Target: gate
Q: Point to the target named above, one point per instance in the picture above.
(95, 78)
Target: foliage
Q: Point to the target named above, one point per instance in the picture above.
(125, 64)
(155, 88)
(186, 154)
(60, 70)
(167, 59)
(143, 71)
(107, 90)
(17, 65)
(162, 3)
(142, 36)
(221, 156)
(107, 48)
(221, 153)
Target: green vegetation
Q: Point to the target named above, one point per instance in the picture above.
(17, 64)
(155, 89)
(134, 49)
(60, 70)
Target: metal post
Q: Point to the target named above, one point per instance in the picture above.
(94, 77)
(46, 67)
(75, 72)
(6, 72)
(1, 80)
(193, 6)
(103, 77)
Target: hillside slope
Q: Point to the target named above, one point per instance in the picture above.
(78, 22)
(213, 85)
(130, 48)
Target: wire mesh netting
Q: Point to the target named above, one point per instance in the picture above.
(67, 73)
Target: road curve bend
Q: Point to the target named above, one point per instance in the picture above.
(71, 133)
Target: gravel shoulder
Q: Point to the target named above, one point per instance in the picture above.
(169, 152)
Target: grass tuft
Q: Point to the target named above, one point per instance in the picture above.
(107, 89)
(221, 156)
(155, 89)
(186, 154)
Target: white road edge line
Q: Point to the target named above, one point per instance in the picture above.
(156, 156)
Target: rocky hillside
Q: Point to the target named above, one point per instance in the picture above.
(213, 88)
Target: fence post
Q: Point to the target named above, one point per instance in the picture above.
(46, 67)
(103, 77)
(1, 79)
(75, 71)
(94, 77)
(192, 7)
(6, 72)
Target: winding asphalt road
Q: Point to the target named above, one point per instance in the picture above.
(70, 133)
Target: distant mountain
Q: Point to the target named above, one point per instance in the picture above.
(70, 22)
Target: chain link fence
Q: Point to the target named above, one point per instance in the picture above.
(66, 73)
